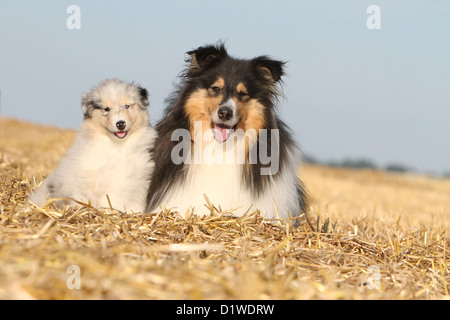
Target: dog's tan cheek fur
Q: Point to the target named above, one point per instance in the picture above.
(98, 122)
(251, 115)
(201, 104)
(198, 107)
(93, 127)
(252, 120)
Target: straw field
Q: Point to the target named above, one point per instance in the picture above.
(371, 235)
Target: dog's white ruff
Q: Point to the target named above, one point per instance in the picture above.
(223, 186)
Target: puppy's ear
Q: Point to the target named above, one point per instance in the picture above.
(205, 57)
(143, 95)
(270, 70)
(87, 105)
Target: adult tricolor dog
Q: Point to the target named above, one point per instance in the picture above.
(234, 101)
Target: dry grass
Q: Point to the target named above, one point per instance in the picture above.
(379, 236)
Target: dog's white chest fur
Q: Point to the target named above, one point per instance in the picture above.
(218, 182)
(223, 186)
(119, 170)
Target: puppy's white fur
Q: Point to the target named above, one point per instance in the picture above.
(99, 162)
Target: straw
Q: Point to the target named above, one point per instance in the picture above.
(400, 249)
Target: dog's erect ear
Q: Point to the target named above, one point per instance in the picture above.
(271, 70)
(205, 57)
(143, 95)
(87, 105)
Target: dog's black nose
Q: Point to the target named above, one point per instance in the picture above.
(121, 125)
(225, 113)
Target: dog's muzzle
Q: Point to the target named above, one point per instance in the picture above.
(225, 121)
(225, 113)
(121, 125)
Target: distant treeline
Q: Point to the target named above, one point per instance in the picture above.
(358, 164)
(365, 164)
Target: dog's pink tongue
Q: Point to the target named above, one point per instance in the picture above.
(221, 134)
(121, 134)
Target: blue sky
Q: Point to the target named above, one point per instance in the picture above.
(351, 92)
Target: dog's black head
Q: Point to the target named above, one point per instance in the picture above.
(226, 93)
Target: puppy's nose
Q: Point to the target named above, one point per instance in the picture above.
(121, 125)
(225, 113)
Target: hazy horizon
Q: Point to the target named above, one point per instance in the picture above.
(351, 92)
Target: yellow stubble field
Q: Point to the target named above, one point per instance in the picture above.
(369, 235)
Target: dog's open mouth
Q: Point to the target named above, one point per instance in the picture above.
(222, 131)
(121, 134)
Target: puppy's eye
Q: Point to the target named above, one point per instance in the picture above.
(126, 106)
(107, 109)
(215, 89)
(243, 93)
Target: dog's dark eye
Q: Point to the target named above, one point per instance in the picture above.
(126, 106)
(243, 93)
(215, 89)
(107, 109)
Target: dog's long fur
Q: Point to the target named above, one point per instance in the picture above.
(226, 95)
(110, 154)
